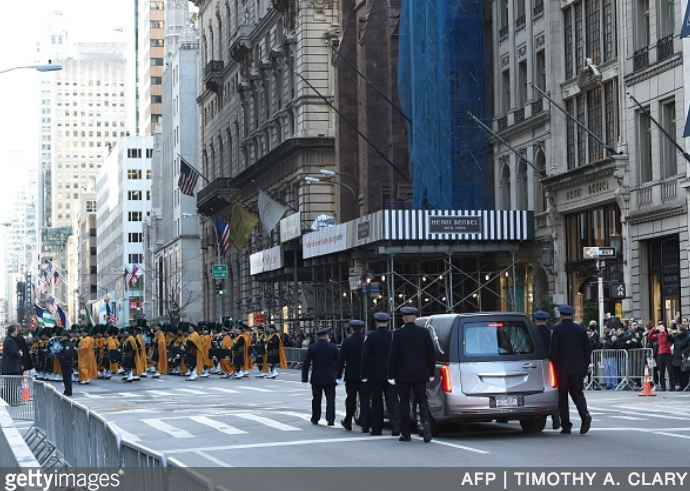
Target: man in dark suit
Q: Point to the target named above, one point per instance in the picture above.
(66, 358)
(324, 356)
(350, 359)
(541, 319)
(411, 365)
(377, 347)
(569, 353)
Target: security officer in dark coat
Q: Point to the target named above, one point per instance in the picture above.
(324, 356)
(11, 353)
(66, 357)
(350, 359)
(569, 354)
(540, 319)
(411, 365)
(377, 347)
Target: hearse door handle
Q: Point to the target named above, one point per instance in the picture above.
(529, 365)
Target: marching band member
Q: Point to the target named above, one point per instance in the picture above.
(275, 352)
(194, 357)
(160, 352)
(226, 367)
(206, 343)
(130, 351)
(140, 360)
(87, 358)
(259, 348)
(248, 362)
(111, 348)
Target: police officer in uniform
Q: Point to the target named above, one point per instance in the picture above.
(324, 356)
(66, 357)
(377, 346)
(541, 320)
(411, 365)
(350, 360)
(569, 354)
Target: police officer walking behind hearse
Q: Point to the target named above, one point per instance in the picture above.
(541, 320)
(324, 356)
(570, 353)
(411, 365)
(350, 359)
(377, 347)
(66, 358)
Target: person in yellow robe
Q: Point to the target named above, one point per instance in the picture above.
(99, 341)
(111, 345)
(248, 362)
(87, 358)
(160, 352)
(275, 352)
(140, 360)
(206, 342)
(194, 356)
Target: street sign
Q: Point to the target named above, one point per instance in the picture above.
(598, 252)
(354, 282)
(220, 272)
(616, 289)
(182, 316)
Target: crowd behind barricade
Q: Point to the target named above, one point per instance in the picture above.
(668, 365)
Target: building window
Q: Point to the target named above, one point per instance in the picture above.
(136, 258)
(157, 43)
(584, 28)
(134, 216)
(667, 16)
(505, 92)
(90, 206)
(156, 80)
(157, 24)
(644, 147)
(134, 195)
(505, 186)
(133, 174)
(148, 195)
(641, 24)
(669, 155)
(522, 74)
(157, 62)
(136, 237)
(134, 153)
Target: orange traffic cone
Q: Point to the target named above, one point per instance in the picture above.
(26, 391)
(647, 388)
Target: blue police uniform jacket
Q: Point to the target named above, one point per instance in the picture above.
(377, 348)
(570, 349)
(323, 356)
(350, 357)
(412, 357)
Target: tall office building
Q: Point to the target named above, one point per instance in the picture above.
(150, 54)
(89, 114)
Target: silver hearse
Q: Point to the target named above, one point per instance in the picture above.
(490, 366)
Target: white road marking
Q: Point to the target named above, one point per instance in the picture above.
(159, 393)
(670, 434)
(226, 391)
(166, 428)
(303, 416)
(216, 425)
(454, 445)
(254, 389)
(127, 394)
(192, 391)
(213, 459)
(124, 434)
(630, 418)
(293, 443)
(92, 396)
(268, 422)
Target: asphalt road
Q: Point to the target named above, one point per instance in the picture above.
(257, 422)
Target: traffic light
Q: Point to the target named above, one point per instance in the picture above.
(220, 287)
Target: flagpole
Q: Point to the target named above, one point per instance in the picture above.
(193, 168)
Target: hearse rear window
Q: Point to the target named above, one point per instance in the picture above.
(497, 338)
(440, 328)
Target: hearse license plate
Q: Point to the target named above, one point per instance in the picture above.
(506, 401)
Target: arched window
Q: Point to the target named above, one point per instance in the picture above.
(505, 198)
(221, 157)
(539, 194)
(211, 43)
(521, 185)
(230, 164)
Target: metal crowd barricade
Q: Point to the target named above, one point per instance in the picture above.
(609, 368)
(16, 391)
(638, 358)
(185, 479)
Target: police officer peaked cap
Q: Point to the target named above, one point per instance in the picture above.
(409, 310)
(382, 317)
(566, 309)
(323, 330)
(541, 315)
(356, 324)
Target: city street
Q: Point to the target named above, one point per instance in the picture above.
(256, 422)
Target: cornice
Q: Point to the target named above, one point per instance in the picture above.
(657, 213)
(579, 176)
(657, 69)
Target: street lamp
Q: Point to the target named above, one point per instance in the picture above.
(316, 180)
(332, 173)
(50, 67)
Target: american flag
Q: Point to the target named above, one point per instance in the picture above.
(223, 236)
(188, 178)
(46, 277)
(57, 277)
(128, 277)
(112, 318)
(52, 306)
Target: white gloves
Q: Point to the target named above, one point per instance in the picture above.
(391, 381)
(365, 380)
(431, 379)
(339, 381)
(305, 383)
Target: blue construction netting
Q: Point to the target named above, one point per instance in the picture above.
(444, 74)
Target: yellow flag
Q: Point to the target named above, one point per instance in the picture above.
(241, 225)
